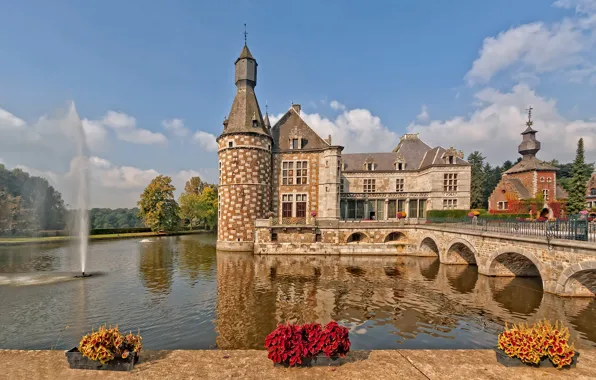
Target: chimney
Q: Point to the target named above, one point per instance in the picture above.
(296, 108)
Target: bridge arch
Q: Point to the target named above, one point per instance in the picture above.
(512, 261)
(428, 246)
(395, 236)
(460, 251)
(578, 280)
(358, 237)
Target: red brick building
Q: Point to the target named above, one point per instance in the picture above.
(530, 178)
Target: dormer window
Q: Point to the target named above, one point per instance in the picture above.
(450, 156)
(255, 124)
(451, 160)
(370, 166)
(296, 144)
(400, 166)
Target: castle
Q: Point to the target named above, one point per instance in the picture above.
(528, 179)
(288, 174)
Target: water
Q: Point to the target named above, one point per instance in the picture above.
(182, 295)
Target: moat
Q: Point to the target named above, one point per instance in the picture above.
(184, 295)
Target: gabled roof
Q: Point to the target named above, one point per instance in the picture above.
(435, 156)
(560, 193)
(519, 187)
(292, 124)
(530, 164)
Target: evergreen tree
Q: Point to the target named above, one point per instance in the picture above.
(579, 178)
(492, 176)
(506, 166)
(477, 189)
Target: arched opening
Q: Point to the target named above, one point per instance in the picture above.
(581, 284)
(428, 247)
(357, 237)
(460, 253)
(395, 237)
(509, 264)
(545, 213)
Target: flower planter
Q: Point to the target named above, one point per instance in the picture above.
(516, 362)
(320, 360)
(76, 360)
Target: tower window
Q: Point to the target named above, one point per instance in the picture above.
(545, 194)
(548, 179)
(541, 179)
(230, 144)
(255, 123)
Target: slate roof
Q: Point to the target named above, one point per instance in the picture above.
(415, 154)
(561, 193)
(290, 123)
(520, 188)
(530, 164)
(245, 53)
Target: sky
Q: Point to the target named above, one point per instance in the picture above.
(153, 81)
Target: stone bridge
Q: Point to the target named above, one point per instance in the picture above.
(566, 268)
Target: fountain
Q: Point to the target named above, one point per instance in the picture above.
(80, 169)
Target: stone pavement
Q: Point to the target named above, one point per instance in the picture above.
(252, 364)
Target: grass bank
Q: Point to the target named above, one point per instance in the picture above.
(11, 241)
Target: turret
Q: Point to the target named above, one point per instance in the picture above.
(244, 152)
(529, 145)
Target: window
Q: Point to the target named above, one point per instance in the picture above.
(502, 205)
(301, 206)
(296, 144)
(342, 185)
(220, 172)
(421, 208)
(401, 205)
(273, 236)
(301, 172)
(370, 166)
(230, 144)
(399, 185)
(545, 195)
(449, 204)
(287, 201)
(293, 205)
(369, 185)
(287, 173)
(592, 191)
(541, 179)
(450, 182)
(391, 211)
(451, 159)
(294, 177)
(400, 166)
(268, 146)
(413, 208)
(549, 179)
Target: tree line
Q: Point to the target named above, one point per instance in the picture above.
(572, 176)
(197, 206)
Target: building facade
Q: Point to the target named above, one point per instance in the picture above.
(530, 178)
(591, 194)
(290, 175)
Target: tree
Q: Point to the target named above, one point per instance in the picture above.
(157, 206)
(477, 189)
(208, 207)
(492, 176)
(577, 194)
(194, 185)
(189, 208)
(506, 166)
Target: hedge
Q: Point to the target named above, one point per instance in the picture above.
(462, 214)
(447, 214)
(108, 231)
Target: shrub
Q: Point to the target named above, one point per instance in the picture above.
(106, 344)
(291, 344)
(447, 214)
(532, 344)
(401, 214)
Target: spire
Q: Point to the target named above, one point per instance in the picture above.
(266, 120)
(245, 114)
(529, 145)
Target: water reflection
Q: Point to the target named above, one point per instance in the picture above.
(156, 266)
(519, 295)
(462, 278)
(192, 265)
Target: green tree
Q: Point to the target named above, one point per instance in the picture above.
(157, 206)
(477, 189)
(189, 208)
(492, 176)
(579, 178)
(194, 185)
(208, 207)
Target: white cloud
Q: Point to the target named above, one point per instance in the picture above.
(337, 105)
(176, 127)
(423, 115)
(494, 127)
(540, 47)
(95, 134)
(125, 127)
(206, 141)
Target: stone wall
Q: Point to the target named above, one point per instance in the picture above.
(244, 189)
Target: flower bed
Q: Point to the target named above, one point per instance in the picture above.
(536, 344)
(299, 345)
(106, 349)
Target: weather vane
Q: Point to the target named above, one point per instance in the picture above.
(245, 33)
(529, 123)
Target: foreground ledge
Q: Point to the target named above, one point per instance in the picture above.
(253, 364)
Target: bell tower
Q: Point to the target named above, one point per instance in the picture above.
(245, 161)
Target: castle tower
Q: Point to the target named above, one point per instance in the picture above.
(244, 151)
(529, 145)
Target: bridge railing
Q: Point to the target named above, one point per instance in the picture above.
(558, 229)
